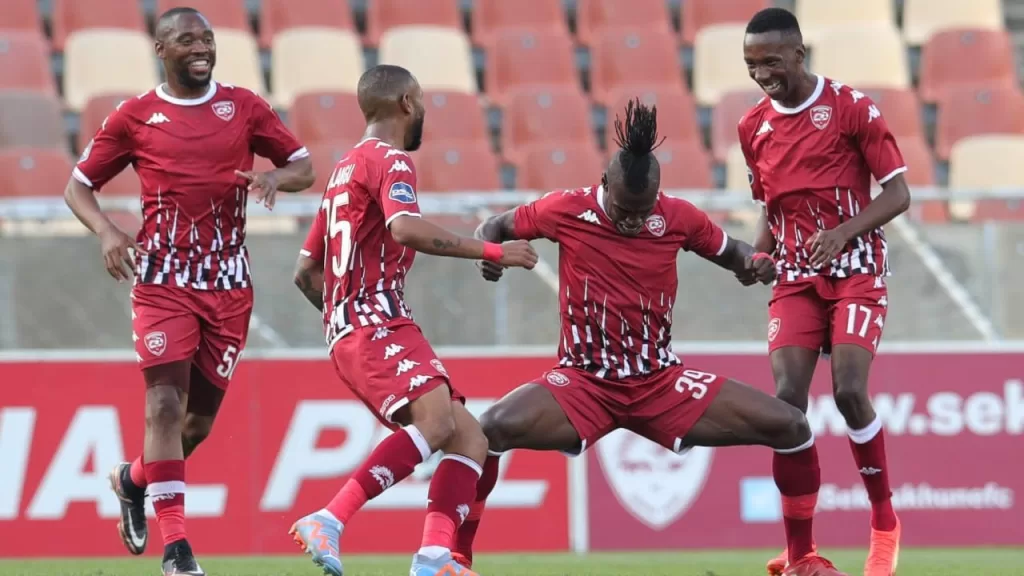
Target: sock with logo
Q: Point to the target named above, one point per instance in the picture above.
(390, 462)
(868, 446)
(467, 532)
(798, 478)
(166, 490)
(452, 490)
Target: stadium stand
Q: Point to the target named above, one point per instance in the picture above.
(383, 15)
(308, 59)
(279, 15)
(457, 166)
(323, 116)
(677, 113)
(880, 60)
(454, 116)
(238, 60)
(717, 66)
(684, 164)
(924, 18)
(524, 58)
(595, 16)
(977, 110)
(699, 14)
(724, 118)
(987, 162)
(29, 171)
(222, 14)
(70, 16)
(555, 114)
(21, 15)
(554, 165)
(440, 58)
(490, 16)
(965, 57)
(624, 57)
(25, 62)
(818, 16)
(32, 120)
(99, 62)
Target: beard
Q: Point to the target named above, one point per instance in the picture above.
(415, 137)
(186, 79)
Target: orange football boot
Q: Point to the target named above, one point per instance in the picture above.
(812, 565)
(884, 553)
(777, 565)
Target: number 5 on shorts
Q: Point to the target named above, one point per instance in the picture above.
(695, 383)
(228, 363)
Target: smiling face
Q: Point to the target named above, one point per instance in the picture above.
(186, 45)
(775, 60)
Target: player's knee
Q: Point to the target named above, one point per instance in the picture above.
(163, 408)
(787, 427)
(793, 394)
(798, 428)
(849, 384)
(473, 443)
(438, 430)
(195, 430)
(502, 426)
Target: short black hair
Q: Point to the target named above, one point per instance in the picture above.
(637, 137)
(773, 20)
(381, 88)
(163, 23)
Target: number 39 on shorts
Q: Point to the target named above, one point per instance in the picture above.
(695, 382)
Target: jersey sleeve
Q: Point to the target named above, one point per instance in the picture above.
(271, 139)
(315, 245)
(108, 153)
(397, 193)
(876, 143)
(753, 177)
(702, 236)
(539, 219)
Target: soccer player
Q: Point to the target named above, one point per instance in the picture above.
(811, 148)
(618, 245)
(352, 267)
(191, 141)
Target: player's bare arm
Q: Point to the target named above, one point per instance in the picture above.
(309, 279)
(296, 176)
(424, 236)
(498, 229)
(764, 240)
(748, 264)
(116, 245)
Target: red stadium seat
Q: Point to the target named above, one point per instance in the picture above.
(700, 13)
(454, 116)
(221, 13)
(72, 15)
(545, 114)
(25, 63)
(974, 110)
(684, 164)
(966, 57)
(95, 112)
(34, 171)
(592, 16)
(724, 118)
(1000, 210)
(325, 156)
(29, 119)
(457, 166)
(278, 15)
(522, 57)
(326, 116)
(623, 57)
(384, 14)
(490, 16)
(921, 173)
(22, 15)
(552, 166)
(901, 109)
(677, 113)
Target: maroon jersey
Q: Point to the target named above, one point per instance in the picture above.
(364, 268)
(811, 167)
(615, 292)
(185, 153)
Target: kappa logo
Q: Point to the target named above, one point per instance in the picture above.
(656, 486)
(392, 349)
(399, 166)
(417, 381)
(156, 343)
(406, 365)
(225, 109)
(655, 225)
(820, 116)
(557, 379)
(439, 367)
(381, 333)
(86, 152)
(157, 118)
(765, 128)
(589, 216)
(395, 152)
(773, 328)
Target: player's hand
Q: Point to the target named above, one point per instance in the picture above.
(263, 185)
(519, 254)
(490, 271)
(118, 249)
(824, 246)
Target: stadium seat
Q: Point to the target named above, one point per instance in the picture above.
(724, 118)
(383, 15)
(441, 58)
(454, 116)
(817, 16)
(545, 114)
(522, 58)
(975, 110)
(25, 62)
(76, 15)
(222, 14)
(624, 57)
(863, 56)
(31, 119)
(552, 166)
(965, 56)
(456, 167)
(313, 60)
(736, 177)
(325, 155)
(279, 15)
(677, 114)
(988, 162)
(21, 15)
(98, 62)
(238, 60)
(326, 116)
(901, 110)
(91, 118)
(684, 164)
(489, 16)
(924, 18)
(593, 16)
(700, 13)
(34, 171)
(718, 66)
(921, 173)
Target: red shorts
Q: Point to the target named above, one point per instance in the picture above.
(389, 367)
(661, 406)
(208, 327)
(820, 312)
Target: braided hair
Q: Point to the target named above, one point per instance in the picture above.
(637, 138)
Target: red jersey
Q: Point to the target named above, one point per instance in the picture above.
(185, 153)
(616, 292)
(811, 167)
(364, 268)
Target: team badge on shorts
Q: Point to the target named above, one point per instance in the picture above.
(820, 116)
(156, 343)
(557, 379)
(773, 328)
(655, 225)
(225, 110)
(439, 367)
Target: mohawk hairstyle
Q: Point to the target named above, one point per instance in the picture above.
(773, 20)
(637, 138)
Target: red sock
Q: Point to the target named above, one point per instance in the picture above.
(166, 480)
(467, 532)
(390, 462)
(868, 446)
(798, 477)
(138, 473)
(452, 490)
